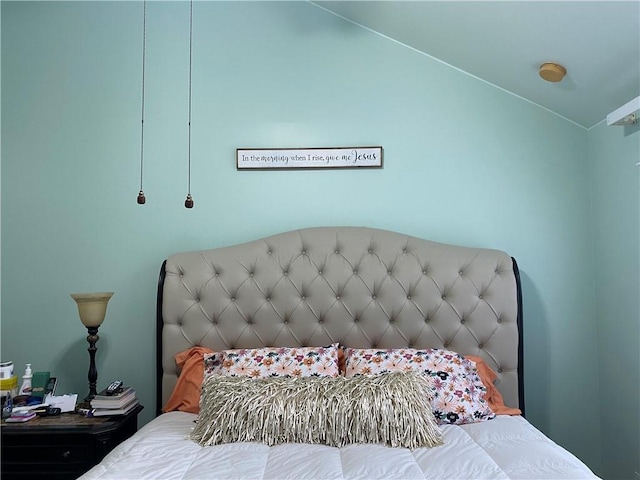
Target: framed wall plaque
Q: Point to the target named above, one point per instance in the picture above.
(297, 158)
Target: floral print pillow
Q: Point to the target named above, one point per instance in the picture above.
(458, 392)
(274, 362)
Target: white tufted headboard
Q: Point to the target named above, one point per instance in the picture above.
(358, 286)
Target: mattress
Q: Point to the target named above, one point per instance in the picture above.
(507, 447)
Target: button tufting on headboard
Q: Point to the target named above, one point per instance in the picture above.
(357, 286)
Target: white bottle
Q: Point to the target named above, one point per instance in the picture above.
(25, 389)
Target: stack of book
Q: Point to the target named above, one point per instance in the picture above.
(119, 403)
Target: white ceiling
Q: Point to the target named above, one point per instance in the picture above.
(504, 42)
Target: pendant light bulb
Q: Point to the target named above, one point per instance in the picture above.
(188, 203)
(141, 198)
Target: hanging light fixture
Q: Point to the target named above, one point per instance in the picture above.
(188, 203)
(141, 198)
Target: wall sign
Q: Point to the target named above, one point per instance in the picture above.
(293, 158)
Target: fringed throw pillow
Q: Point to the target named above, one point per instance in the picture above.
(388, 409)
(458, 394)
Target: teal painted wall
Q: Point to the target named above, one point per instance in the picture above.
(464, 163)
(613, 152)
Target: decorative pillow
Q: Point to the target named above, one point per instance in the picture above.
(212, 364)
(186, 394)
(335, 411)
(275, 362)
(493, 396)
(458, 393)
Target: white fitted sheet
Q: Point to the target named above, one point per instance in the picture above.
(505, 447)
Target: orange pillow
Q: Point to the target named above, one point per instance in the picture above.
(186, 394)
(493, 397)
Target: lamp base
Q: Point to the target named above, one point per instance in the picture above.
(92, 376)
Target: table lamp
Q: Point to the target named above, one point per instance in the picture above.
(92, 308)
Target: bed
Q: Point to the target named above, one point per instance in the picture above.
(372, 300)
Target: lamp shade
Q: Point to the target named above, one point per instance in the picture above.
(92, 307)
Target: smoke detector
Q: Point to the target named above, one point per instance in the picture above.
(552, 72)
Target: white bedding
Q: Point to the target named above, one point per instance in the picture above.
(505, 447)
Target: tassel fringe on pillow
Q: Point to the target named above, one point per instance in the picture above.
(391, 409)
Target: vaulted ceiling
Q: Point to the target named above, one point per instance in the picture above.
(504, 42)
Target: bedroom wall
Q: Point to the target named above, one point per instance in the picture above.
(613, 152)
(465, 163)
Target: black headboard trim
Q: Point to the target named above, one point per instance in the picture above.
(519, 321)
(159, 325)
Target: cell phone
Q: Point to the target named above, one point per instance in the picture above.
(51, 386)
(48, 411)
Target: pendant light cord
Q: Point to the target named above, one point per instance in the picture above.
(141, 197)
(190, 62)
(188, 203)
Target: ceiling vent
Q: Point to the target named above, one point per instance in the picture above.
(626, 114)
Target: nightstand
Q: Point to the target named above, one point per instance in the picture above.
(61, 447)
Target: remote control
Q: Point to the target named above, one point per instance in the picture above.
(114, 387)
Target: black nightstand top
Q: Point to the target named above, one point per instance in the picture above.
(68, 422)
